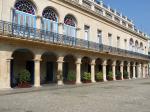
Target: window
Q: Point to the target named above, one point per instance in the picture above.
(24, 14)
(86, 32)
(50, 20)
(99, 36)
(110, 39)
(118, 42)
(70, 26)
(125, 44)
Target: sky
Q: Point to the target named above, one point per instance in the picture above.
(136, 10)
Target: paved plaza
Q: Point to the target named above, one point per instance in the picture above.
(117, 96)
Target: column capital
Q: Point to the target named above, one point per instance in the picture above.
(122, 63)
(78, 61)
(60, 59)
(9, 59)
(104, 62)
(93, 61)
(114, 63)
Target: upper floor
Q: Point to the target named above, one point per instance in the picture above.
(78, 19)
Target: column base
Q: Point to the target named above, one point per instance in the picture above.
(105, 80)
(93, 81)
(60, 83)
(37, 86)
(78, 83)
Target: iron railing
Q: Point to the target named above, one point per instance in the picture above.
(17, 31)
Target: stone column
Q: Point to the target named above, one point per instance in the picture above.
(78, 71)
(60, 28)
(143, 71)
(93, 71)
(121, 69)
(60, 70)
(134, 77)
(104, 70)
(37, 73)
(38, 21)
(139, 70)
(114, 70)
(128, 70)
(8, 71)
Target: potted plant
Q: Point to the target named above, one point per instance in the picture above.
(86, 77)
(24, 79)
(71, 77)
(125, 75)
(99, 76)
(118, 75)
(110, 76)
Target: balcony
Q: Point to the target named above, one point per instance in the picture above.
(15, 31)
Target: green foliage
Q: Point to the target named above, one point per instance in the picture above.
(71, 76)
(86, 76)
(99, 76)
(118, 73)
(24, 76)
(125, 74)
(110, 75)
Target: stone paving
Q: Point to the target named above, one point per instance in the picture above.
(116, 96)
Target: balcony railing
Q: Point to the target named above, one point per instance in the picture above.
(22, 32)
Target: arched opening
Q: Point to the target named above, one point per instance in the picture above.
(22, 60)
(24, 13)
(24, 18)
(125, 72)
(50, 20)
(69, 69)
(118, 71)
(131, 44)
(70, 29)
(99, 70)
(136, 69)
(141, 48)
(131, 69)
(136, 46)
(48, 68)
(109, 73)
(85, 68)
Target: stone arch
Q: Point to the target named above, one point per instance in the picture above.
(109, 68)
(51, 10)
(69, 67)
(30, 2)
(98, 67)
(22, 60)
(48, 67)
(136, 45)
(85, 66)
(73, 17)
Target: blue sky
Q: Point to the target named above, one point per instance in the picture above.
(137, 10)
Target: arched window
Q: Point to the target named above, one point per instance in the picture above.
(70, 26)
(69, 20)
(50, 20)
(136, 46)
(131, 45)
(141, 48)
(25, 6)
(24, 14)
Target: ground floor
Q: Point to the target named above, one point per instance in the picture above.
(122, 96)
(44, 62)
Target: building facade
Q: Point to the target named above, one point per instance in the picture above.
(47, 36)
